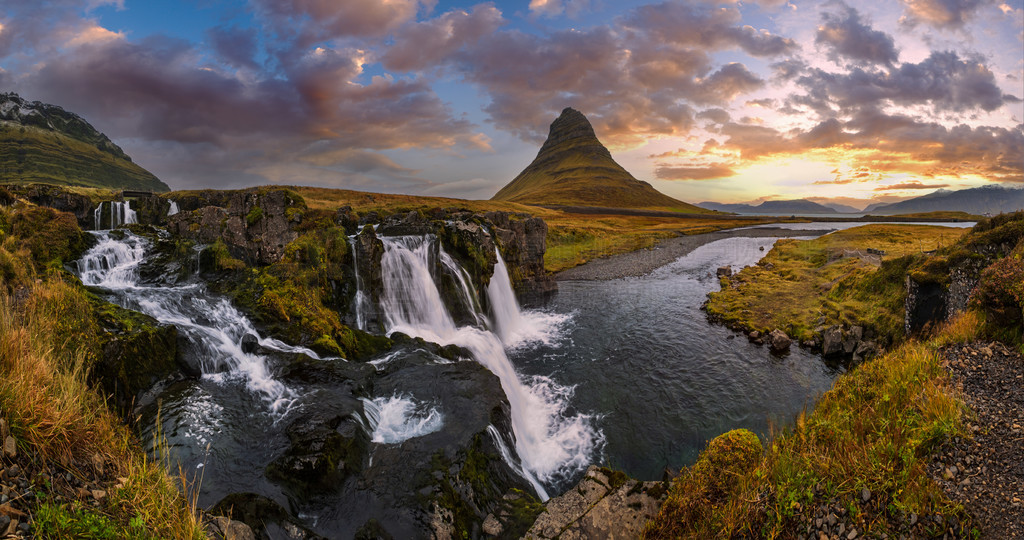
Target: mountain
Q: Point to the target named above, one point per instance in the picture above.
(44, 143)
(573, 168)
(841, 208)
(980, 200)
(795, 206)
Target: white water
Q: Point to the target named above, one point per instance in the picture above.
(173, 209)
(399, 418)
(550, 444)
(211, 323)
(515, 327)
(361, 298)
(121, 213)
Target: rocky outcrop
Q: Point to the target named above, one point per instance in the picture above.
(324, 451)
(255, 224)
(853, 343)
(58, 198)
(925, 304)
(605, 504)
(523, 241)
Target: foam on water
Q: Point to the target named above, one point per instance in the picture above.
(515, 327)
(398, 418)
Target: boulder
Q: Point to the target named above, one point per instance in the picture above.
(853, 337)
(724, 271)
(220, 527)
(778, 341)
(249, 343)
(832, 341)
(323, 452)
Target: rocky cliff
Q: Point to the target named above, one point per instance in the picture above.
(573, 168)
(45, 143)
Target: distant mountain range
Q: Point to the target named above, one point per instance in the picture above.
(573, 168)
(795, 206)
(44, 143)
(980, 200)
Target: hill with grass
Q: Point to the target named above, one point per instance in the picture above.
(573, 168)
(41, 143)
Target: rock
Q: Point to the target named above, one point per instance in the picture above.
(98, 494)
(491, 526)
(865, 494)
(228, 529)
(852, 339)
(262, 515)
(249, 343)
(324, 451)
(832, 341)
(724, 271)
(778, 341)
(925, 305)
(10, 447)
(754, 334)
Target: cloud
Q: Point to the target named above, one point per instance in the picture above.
(235, 46)
(942, 13)
(314, 21)
(847, 36)
(911, 184)
(714, 28)
(709, 172)
(424, 45)
(554, 8)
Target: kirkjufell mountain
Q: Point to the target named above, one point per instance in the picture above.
(573, 168)
(44, 143)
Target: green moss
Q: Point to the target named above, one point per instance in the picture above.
(217, 258)
(51, 237)
(254, 216)
(55, 522)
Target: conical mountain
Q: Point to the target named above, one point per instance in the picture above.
(573, 168)
(44, 143)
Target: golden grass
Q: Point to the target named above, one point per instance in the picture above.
(56, 417)
(800, 285)
(874, 429)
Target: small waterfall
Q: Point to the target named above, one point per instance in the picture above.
(173, 209)
(468, 297)
(551, 443)
(361, 299)
(513, 326)
(398, 418)
(121, 213)
(213, 326)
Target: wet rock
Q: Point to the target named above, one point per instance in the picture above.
(724, 271)
(250, 343)
(778, 341)
(221, 527)
(852, 339)
(323, 452)
(265, 517)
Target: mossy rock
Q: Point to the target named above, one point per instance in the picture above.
(726, 457)
(323, 453)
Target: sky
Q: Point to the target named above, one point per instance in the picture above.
(724, 101)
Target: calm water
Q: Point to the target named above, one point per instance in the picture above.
(663, 381)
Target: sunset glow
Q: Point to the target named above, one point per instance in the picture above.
(732, 102)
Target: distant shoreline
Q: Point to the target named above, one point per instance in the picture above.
(838, 218)
(644, 261)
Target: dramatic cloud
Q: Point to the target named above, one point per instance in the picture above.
(715, 28)
(553, 8)
(317, 20)
(694, 173)
(849, 37)
(943, 13)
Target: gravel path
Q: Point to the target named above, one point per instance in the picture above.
(644, 261)
(985, 473)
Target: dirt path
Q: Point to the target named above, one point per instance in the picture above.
(986, 472)
(644, 261)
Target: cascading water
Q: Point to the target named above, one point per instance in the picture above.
(121, 213)
(551, 444)
(361, 298)
(173, 209)
(399, 418)
(213, 326)
(513, 326)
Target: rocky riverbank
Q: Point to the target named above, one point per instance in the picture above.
(644, 261)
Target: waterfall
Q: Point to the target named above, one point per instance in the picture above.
(173, 209)
(513, 326)
(551, 443)
(211, 324)
(361, 298)
(121, 213)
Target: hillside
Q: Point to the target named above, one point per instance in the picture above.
(42, 143)
(980, 200)
(795, 206)
(573, 168)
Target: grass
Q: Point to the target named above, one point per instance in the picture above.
(802, 285)
(874, 429)
(49, 339)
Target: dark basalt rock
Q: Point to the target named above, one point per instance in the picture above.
(323, 453)
(58, 198)
(265, 517)
(925, 305)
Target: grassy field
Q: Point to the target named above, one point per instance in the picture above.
(573, 239)
(801, 285)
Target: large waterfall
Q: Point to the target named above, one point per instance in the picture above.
(551, 443)
(213, 326)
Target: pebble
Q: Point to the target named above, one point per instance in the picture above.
(10, 447)
(865, 494)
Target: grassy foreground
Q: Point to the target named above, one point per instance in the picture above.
(61, 424)
(805, 284)
(873, 430)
